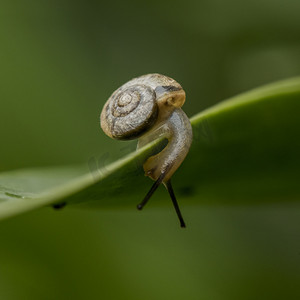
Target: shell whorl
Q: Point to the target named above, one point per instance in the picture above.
(129, 112)
(133, 109)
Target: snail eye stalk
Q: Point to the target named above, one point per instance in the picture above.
(152, 190)
(175, 203)
(169, 188)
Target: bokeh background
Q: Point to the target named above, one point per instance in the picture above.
(59, 62)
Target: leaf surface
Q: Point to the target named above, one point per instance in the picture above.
(245, 149)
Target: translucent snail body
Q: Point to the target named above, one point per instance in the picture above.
(146, 108)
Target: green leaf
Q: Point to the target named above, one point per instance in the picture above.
(245, 149)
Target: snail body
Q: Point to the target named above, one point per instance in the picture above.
(146, 108)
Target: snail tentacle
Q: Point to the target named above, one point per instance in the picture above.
(169, 187)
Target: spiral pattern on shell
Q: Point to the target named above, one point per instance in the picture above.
(129, 112)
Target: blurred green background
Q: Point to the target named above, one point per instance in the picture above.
(59, 62)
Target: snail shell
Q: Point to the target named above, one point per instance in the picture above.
(134, 108)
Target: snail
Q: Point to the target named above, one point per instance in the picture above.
(145, 108)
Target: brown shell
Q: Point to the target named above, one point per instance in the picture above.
(129, 112)
(132, 109)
